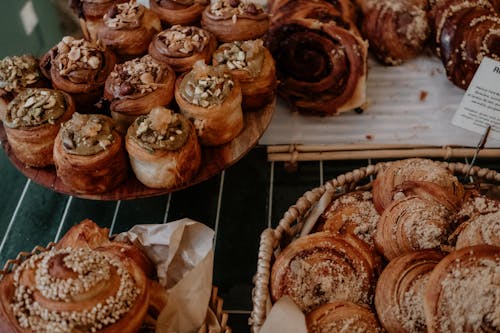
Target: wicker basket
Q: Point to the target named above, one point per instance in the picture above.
(215, 311)
(296, 220)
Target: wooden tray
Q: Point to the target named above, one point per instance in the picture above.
(214, 160)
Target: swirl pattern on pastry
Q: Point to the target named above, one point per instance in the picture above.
(323, 267)
(182, 12)
(480, 229)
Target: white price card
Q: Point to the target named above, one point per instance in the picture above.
(480, 106)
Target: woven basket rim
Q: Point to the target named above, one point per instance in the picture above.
(292, 222)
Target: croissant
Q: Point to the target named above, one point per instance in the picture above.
(212, 99)
(231, 20)
(181, 46)
(183, 12)
(417, 176)
(135, 87)
(128, 29)
(163, 149)
(89, 155)
(253, 66)
(341, 316)
(32, 122)
(320, 58)
(323, 267)
(352, 212)
(80, 68)
(410, 224)
(462, 291)
(16, 74)
(464, 33)
(399, 295)
(397, 30)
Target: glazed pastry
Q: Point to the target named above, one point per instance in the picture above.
(480, 229)
(399, 295)
(89, 155)
(462, 292)
(323, 267)
(181, 46)
(416, 176)
(183, 12)
(212, 99)
(163, 149)
(465, 33)
(343, 12)
(396, 30)
(341, 316)
(74, 289)
(80, 68)
(135, 87)
(320, 58)
(16, 74)
(253, 66)
(128, 29)
(410, 224)
(32, 122)
(231, 20)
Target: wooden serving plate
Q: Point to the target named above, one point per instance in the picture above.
(214, 160)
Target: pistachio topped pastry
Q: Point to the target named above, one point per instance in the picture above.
(245, 55)
(35, 106)
(124, 15)
(87, 134)
(18, 72)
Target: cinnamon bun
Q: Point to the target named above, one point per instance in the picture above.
(183, 12)
(89, 155)
(253, 66)
(32, 122)
(480, 229)
(163, 149)
(210, 97)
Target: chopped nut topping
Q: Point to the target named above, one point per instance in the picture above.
(90, 268)
(184, 41)
(137, 76)
(234, 8)
(33, 107)
(247, 56)
(18, 72)
(206, 86)
(87, 134)
(124, 15)
(161, 129)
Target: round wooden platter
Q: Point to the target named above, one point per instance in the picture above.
(214, 160)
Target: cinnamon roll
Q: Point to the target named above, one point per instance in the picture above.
(410, 224)
(396, 30)
(462, 291)
(210, 97)
(128, 29)
(480, 229)
(16, 74)
(163, 149)
(323, 267)
(341, 316)
(321, 58)
(181, 46)
(399, 295)
(183, 12)
(475, 203)
(32, 122)
(253, 66)
(80, 68)
(354, 213)
(231, 20)
(135, 87)
(89, 155)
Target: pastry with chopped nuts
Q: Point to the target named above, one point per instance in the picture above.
(253, 66)
(135, 87)
(89, 154)
(80, 68)
(183, 12)
(32, 122)
(181, 46)
(163, 149)
(128, 29)
(211, 98)
(231, 20)
(16, 74)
